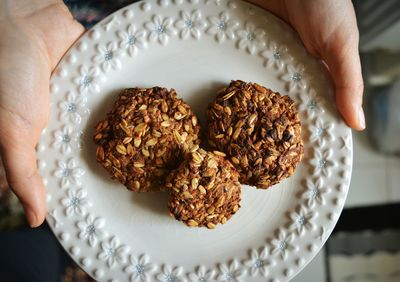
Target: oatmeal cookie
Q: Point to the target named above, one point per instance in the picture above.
(144, 136)
(259, 130)
(204, 190)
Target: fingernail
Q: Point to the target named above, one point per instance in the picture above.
(31, 217)
(361, 118)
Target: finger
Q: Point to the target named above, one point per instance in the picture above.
(343, 61)
(69, 30)
(23, 178)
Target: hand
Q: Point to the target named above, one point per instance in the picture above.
(329, 31)
(34, 36)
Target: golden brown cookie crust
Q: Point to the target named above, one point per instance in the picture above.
(204, 190)
(144, 136)
(259, 130)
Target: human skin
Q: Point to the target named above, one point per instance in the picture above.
(36, 33)
(329, 31)
(34, 36)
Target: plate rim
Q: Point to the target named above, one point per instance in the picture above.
(112, 22)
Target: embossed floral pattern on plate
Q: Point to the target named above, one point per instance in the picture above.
(152, 31)
(160, 29)
(222, 27)
(132, 40)
(251, 39)
(73, 108)
(69, 172)
(258, 262)
(190, 24)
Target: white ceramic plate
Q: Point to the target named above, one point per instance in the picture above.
(195, 47)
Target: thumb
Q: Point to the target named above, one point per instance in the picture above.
(343, 61)
(23, 178)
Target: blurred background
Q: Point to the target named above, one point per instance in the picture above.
(365, 245)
